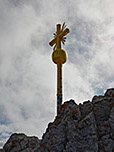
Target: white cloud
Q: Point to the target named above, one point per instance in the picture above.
(27, 74)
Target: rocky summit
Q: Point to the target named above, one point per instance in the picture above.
(87, 127)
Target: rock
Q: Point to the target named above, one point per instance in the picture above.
(111, 121)
(110, 92)
(106, 144)
(1, 150)
(85, 108)
(87, 127)
(81, 133)
(20, 143)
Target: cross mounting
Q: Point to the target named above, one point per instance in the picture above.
(59, 36)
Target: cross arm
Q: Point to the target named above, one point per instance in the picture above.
(53, 42)
(61, 35)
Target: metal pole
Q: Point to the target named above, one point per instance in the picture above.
(58, 39)
(59, 57)
(59, 86)
(59, 72)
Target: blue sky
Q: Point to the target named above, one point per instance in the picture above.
(27, 74)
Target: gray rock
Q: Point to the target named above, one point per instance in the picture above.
(20, 143)
(87, 127)
(1, 150)
(110, 92)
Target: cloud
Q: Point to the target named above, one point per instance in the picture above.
(27, 74)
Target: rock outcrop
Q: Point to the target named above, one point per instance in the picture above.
(21, 143)
(87, 127)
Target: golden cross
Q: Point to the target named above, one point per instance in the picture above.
(59, 36)
(59, 57)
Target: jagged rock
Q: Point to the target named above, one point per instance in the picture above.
(110, 92)
(87, 127)
(20, 143)
(85, 108)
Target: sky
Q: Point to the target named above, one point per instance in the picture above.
(27, 73)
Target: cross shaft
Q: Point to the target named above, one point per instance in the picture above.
(59, 57)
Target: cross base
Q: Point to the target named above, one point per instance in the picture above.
(59, 102)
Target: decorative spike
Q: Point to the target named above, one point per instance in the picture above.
(64, 26)
(63, 43)
(54, 34)
(54, 47)
(63, 23)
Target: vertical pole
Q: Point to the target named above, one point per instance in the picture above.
(59, 73)
(58, 39)
(59, 86)
(59, 57)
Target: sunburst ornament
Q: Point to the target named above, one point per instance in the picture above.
(63, 39)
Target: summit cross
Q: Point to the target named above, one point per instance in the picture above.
(59, 57)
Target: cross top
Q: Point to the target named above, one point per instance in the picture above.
(59, 36)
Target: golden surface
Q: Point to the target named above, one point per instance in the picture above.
(59, 57)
